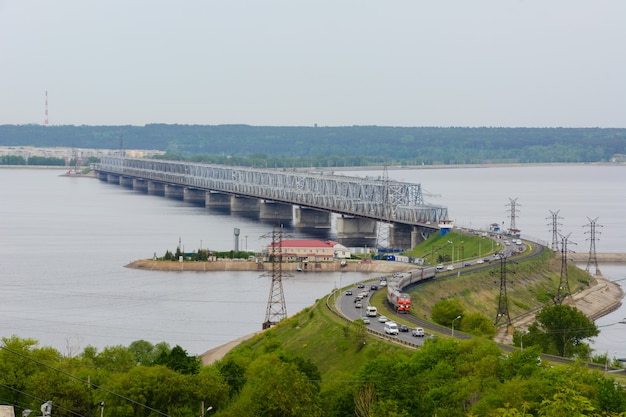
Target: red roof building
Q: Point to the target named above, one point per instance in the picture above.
(309, 250)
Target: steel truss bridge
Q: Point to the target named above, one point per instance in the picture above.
(381, 200)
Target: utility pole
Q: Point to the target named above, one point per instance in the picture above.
(276, 309)
(513, 212)
(563, 291)
(555, 229)
(593, 260)
(503, 301)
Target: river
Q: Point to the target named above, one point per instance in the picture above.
(65, 242)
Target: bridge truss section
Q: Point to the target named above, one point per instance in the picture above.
(353, 196)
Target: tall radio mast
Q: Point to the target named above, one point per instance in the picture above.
(45, 120)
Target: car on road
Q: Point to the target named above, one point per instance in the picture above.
(467, 264)
(373, 287)
(348, 292)
(449, 268)
(358, 304)
(439, 267)
(382, 319)
(366, 320)
(417, 332)
(479, 261)
(404, 328)
(361, 285)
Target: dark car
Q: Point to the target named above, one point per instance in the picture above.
(373, 287)
(467, 264)
(361, 285)
(404, 328)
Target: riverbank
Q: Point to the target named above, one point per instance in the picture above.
(252, 265)
(600, 299)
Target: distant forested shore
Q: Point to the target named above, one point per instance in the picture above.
(307, 146)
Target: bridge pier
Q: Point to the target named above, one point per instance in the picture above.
(354, 231)
(240, 204)
(217, 200)
(311, 218)
(102, 176)
(174, 191)
(271, 210)
(401, 236)
(126, 182)
(156, 188)
(194, 196)
(140, 185)
(113, 179)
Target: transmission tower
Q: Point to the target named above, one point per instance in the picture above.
(503, 301)
(276, 309)
(388, 213)
(513, 212)
(563, 290)
(593, 260)
(555, 229)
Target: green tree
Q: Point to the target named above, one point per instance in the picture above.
(444, 311)
(178, 360)
(565, 329)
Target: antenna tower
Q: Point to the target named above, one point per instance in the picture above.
(563, 290)
(276, 309)
(513, 212)
(555, 229)
(503, 300)
(122, 153)
(45, 120)
(593, 260)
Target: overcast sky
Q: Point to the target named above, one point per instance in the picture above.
(528, 63)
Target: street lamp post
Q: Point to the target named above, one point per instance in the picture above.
(452, 260)
(458, 317)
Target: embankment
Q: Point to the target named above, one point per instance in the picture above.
(246, 265)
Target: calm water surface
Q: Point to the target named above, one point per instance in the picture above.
(64, 243)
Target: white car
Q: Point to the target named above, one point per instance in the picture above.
(449, 268)
(382, 319)
(479, 261)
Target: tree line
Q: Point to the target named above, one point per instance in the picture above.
(284, 146)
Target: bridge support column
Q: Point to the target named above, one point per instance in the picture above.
(194, 196)
(354, 231)
(401, 235)
(113, 179)
(174, 191)
(244, 204)
(271, 210)
(217, 200)
(140, 185)
(102, 176)
(126, 182)
(156, 188)
(311, 218)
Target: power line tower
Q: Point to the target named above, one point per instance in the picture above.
(555, 229)
(383, 239)
(503, 301)
(563, 290)
(593, 260)
(276, 309)
(513, 213)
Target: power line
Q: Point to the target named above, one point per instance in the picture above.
(88, 383)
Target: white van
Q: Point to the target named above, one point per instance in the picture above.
(391, 328)
(371, 311)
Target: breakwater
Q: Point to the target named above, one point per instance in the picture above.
(252, 265)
